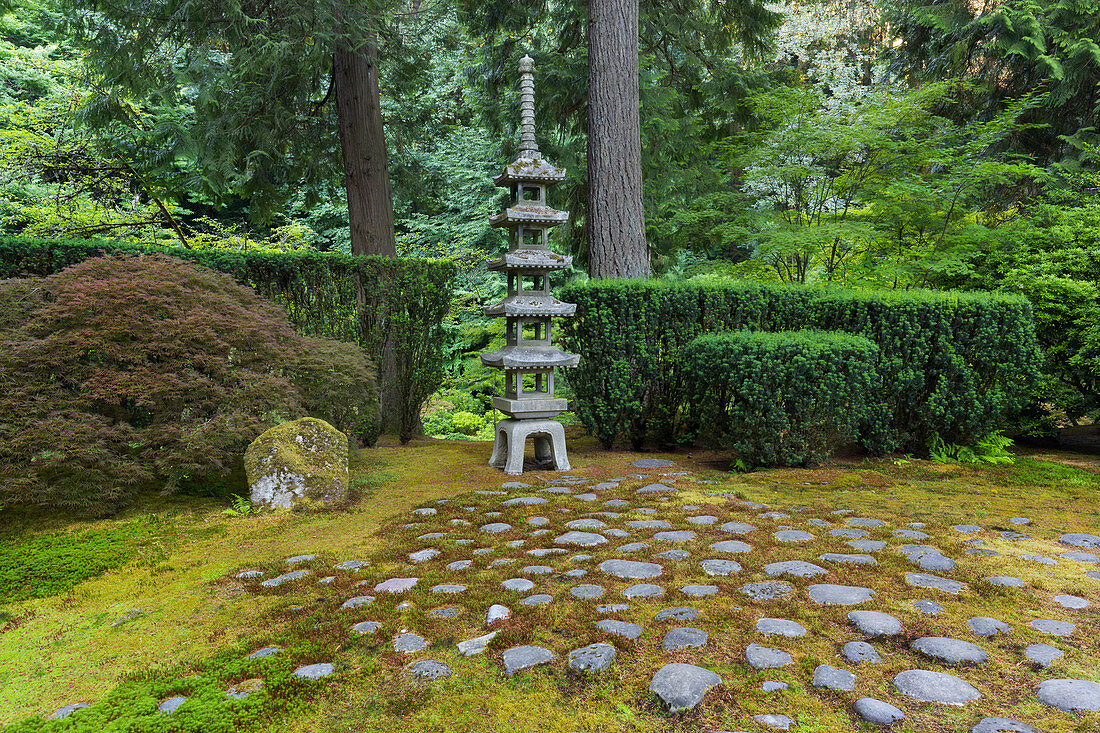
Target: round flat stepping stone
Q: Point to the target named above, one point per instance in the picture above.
(673, 555)
(967, 528)
(67, 710)
(524, 501)
(1002, 725)
(830, 678)
(423, 555)
(543, 551)
(780, 627)
(267, 651)
(652, 463)
(1043, 654)
(616, 503)
(867, 545)
(432, 536)
(460, 565)
(587, 591)
(793, 535)
(620, 628)
(850, 533)
(702, 519)
(1050, 626)
(1069, 695)
(717, 566)
(644, 590)
(684, 637)
(682, 686)
(586, 497)
(519, 658)
(592, 658)
(987, 626)
(773, 685)
(284, 578)
(1015, 536)
(1074, 556)
(655, 489)
(170, 705)
(1093, 575)
(767, 591)
(427, 670)
(409, 643)
(634, 547)
(449, 612)
(612, 607)
(648, 524)
(476, 645)
(314, 671)
(496, 613)
(299, 558)
(732, 546)
(586, 524)
(515, 485)
(248, 575)
(677, 613)
(1039, 559)
(764, 657)
(538, 599)
(1068, 601)
(736, 528)
(774, 515)
(496, 527)
(1005, 581)
(774, 721)
(948, 650)
(396, 585)
(631, 569)
(923, 580)
(828, 594)
(910, 534)
(502, 562)
(848, 559)
(357, 601)
(448, 588)
(1080, 539)
(864, 522)
(366, 627)
(859, 652)
(877, 712)
(518, 584)
(537, 570)
(797, 568)
(927, 686)
(699, 591)
(682, 535)
(556, 490)
(616, 532)
(932, 561)
(874, 623)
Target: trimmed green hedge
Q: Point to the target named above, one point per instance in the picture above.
(952, 364)
(779, 399)
(392, 307)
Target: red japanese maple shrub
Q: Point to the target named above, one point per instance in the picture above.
(144, 371)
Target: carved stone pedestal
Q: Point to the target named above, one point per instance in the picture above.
(511, 439)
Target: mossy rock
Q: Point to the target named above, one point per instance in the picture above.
(301, 465)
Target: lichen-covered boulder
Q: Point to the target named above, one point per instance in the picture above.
(301, 464)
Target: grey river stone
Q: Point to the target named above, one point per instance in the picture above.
(682, 686)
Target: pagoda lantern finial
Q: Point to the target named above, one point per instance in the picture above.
(527, 142)
(529, 358)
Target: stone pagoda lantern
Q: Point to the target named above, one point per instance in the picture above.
(529, 358)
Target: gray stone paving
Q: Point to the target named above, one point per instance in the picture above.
(646, 517)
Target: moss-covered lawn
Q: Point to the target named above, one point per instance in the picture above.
(169, 618)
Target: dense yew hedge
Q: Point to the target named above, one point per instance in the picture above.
(785, 398)
(392, 307)
(951, 364)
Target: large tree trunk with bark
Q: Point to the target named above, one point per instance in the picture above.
(367, 179)
(615, 217)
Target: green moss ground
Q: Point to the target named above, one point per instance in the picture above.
(72, 646)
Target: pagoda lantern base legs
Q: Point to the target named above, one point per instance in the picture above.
(511, 438)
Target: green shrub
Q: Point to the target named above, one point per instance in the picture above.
(144, 371)
(952, 364)
(779, 399)
(391, 307)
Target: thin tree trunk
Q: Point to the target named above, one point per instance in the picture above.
(370, 196)
(615, 218)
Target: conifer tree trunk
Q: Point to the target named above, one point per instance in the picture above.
(369, 192)
(615, 219)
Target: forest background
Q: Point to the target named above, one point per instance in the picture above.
(904, 144)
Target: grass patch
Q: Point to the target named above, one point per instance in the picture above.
(44, 565)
